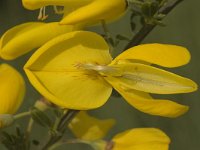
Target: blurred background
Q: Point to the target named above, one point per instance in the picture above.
(183, 28)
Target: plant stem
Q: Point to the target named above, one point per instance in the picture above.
(108, 36)
(29, 127)
(147, 28)
(60, 128)
(21, 115)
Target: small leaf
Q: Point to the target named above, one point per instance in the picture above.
(110, 41)
(18, 132)
(7, 137)
(157, 22)
(146, 10)
(154, 6)
(133, 26)
(160, 16)
(41, 118)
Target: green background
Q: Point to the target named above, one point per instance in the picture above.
(183, 28)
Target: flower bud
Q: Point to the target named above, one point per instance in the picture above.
(12, 89)
(6, 120)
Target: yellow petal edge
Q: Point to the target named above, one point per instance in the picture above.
(141, 139)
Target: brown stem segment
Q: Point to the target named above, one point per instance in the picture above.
(147, 28)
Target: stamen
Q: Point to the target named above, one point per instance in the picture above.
(42, 14)
(104, 70)
(58, 10)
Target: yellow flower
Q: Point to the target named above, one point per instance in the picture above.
(36, 4)
(83, 11)
(12, 89)
(76, 71)
(89, 128)
(141, 139)
(95, 11)
(25, 37)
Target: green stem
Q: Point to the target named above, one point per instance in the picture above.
(29, 127)
(107, 35)
(21, 115)
(147, 28)
(60, 128)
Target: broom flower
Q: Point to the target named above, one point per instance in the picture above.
(76, 71)
(23, 38)
(11, 82)
(83, 11)
(92, 131)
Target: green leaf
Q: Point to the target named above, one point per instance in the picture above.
(154, 6)
(133, 26)
(16, 141)
(160, 16)
(41, 118)
(146, 10)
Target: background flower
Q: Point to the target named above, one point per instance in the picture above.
(23, 38)
(12, 89)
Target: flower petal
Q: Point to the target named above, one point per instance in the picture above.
(101, 10)
(12, 89)
(152, 80)
(141, 139)
(160, 54)
(143, 102)
(53, 70)
(36, 4)
(25, 37)
(90, 128)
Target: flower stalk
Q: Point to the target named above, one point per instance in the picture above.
(60, 127)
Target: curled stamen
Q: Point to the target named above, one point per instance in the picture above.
(42, 14)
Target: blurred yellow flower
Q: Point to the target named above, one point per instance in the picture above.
(89, 128)
(91, 131)
(76, 71)
(25, 37)
(12, 89)
(83, 11)
(141, 139)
